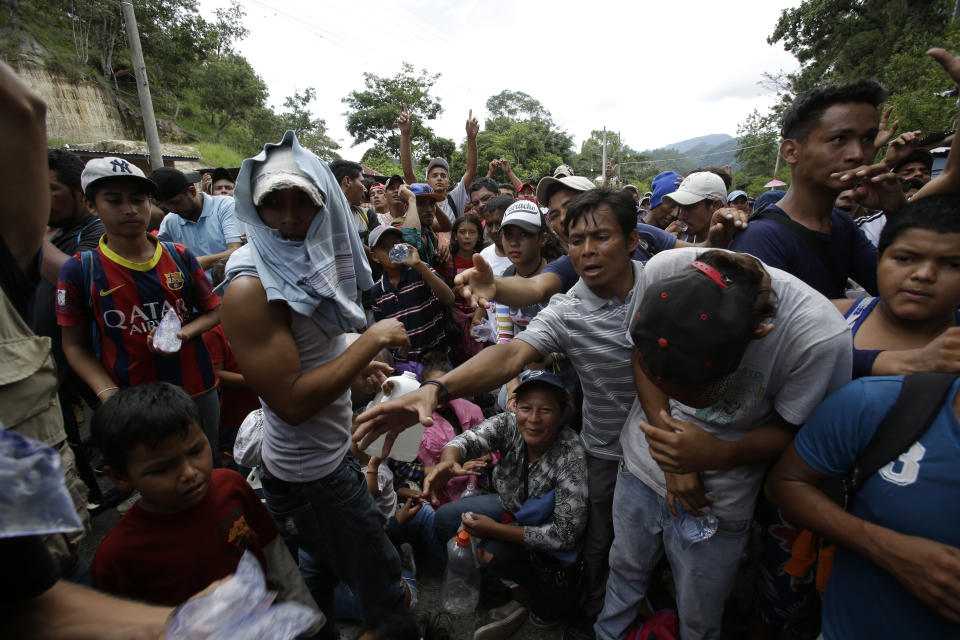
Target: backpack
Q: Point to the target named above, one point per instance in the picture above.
(453, 207)
(921, 397)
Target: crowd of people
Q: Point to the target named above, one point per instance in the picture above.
(626, 397)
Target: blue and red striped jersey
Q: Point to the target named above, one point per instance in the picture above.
(126, 300)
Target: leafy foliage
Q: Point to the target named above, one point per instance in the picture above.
(372, 113)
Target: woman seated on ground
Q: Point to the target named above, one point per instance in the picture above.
(912, 326)
(540, 482)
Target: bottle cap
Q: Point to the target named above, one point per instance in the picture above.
(409, 374)
(463, 538)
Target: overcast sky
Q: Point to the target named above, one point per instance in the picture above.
(657, 72)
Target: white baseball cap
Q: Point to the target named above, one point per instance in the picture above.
(524, 214)
(702, 185)
(112, 167)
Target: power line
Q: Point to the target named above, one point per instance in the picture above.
(705, 155)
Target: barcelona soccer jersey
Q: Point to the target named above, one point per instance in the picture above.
(126, 300)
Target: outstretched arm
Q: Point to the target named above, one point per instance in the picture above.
(473, 128)
(949, 179)
(405, 124)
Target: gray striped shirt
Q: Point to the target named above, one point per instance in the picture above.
(589, 330)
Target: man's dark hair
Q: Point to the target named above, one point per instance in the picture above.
(480, 183)
(746, 272)
(804, 114)
(623, 205)
(67, 165)
(507, 185)
(937, 213)
(917, 155)
(144, 414)
(345, 169)
(497, 203)
(717, 171)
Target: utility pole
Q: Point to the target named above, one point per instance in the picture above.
(143, 86)
(619, 159)
(776, 166)
(603, 162)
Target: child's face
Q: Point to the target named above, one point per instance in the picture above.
(521, 247)
(467, 236)
(173, 476)
(123, 207)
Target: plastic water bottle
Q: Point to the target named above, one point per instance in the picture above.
(471, 489)
(407, 445)
(694, 529)
(165, 338)
(460, 592)
(399, 252)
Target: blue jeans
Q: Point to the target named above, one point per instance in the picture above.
(421, 531)
(644, 528)
(337, 522)
(509, 560)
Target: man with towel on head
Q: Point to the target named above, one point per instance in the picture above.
(292, 293)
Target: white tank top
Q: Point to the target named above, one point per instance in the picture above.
(313, 449)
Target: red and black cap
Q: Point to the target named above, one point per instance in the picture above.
(692, 328)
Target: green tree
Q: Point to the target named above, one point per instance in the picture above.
(521, 130)
(247, 91)
(311, 132)
(758, 147)
(379, 161)
(372, 113)
(840, 40)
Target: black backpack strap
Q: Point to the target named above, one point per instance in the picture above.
(646, 246)
(921, 398)
(453, 206)
(811, 240)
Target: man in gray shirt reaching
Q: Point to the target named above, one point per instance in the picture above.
(730, 358)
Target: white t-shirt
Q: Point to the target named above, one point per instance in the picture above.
(499, 265)
(806, 356)
(460, 198)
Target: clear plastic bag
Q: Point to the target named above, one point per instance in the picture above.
(34, 500)
(246, 448)
(239, 609)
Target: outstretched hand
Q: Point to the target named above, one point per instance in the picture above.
(477, 284)
(885, 132)
(473, 127)
(437, 479)
(949, 62)
(900, 148)
(874, 186)
(394, 416)
(724, 225)
(405, 122)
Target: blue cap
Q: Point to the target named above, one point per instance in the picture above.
(766, 199)
(423, 190)
(733, 195)
(663, 184)
(538, 376)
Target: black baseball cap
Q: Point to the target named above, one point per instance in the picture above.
(170, 183)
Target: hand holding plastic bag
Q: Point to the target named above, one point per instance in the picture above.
(239, 609)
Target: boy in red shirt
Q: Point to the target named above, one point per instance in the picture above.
(192, 523)
(123, 289)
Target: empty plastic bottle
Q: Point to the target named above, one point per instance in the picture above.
(460, 592)
(695, 529)
(399, 252)
(471, 489)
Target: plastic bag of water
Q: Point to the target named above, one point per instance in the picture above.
(695, 529)
(34, 500)
(165, 338)
(239, 609)
(399, 253)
